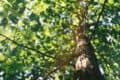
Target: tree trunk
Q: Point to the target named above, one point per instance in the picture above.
(86, 67)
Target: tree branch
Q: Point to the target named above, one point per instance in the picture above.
(101, 12)
(99, 15)
(25, 46)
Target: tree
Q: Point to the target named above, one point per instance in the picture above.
(49, 39)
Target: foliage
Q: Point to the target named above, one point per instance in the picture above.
(34, 32)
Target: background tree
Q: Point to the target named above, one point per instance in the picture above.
(37, 37)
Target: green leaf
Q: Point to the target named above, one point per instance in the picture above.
(39, 7)
(111, 1)
(2, 57)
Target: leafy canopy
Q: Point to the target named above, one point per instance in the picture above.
(34, 32)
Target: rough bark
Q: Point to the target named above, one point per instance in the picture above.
(86, 67)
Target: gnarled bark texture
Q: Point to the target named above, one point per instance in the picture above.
(86, 67)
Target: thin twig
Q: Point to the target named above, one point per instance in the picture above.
(102, 10)
(99, 15)
(25, 46)
(45, 78)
